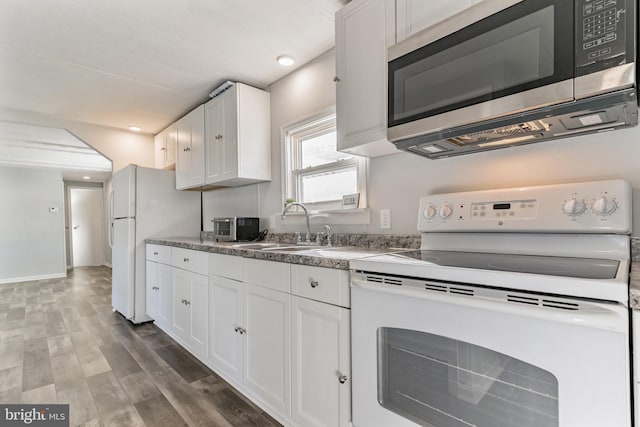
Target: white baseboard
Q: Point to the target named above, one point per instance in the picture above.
(32, 278)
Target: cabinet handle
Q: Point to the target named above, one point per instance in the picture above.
(313, 283)
(186, 149)
(185, 260)
(336, 79)
(342, 378)
(242, 331)
(218, 136)
(237, 329)
(155, 253)
(183, 300)
(187, 302)
(162, 149)
(155, 288)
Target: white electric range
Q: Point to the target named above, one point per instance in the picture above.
(513, 313)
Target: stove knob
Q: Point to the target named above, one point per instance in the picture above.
(445, 211)
(429, 212)
(574, 207)
(604, 206)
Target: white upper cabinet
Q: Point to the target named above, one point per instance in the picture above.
(237, 129)
(415, 15)
(165, 148)
(364, 31)
(190, 165)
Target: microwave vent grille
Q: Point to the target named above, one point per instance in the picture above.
(519, 130)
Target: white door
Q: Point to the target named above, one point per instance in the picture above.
(165, 294)
(487, 359)
(181, 282)
(225, 321)
(87, 225)
(321, 364)
(268, 346)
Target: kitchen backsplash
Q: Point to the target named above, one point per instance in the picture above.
(344, 239)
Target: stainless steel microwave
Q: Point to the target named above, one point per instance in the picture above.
(510, 72)
(236, 228)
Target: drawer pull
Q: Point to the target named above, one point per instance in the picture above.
(155, 253)
(187, 302)
(185, 260)
(242, 331)
(155, 288)
(313, 283)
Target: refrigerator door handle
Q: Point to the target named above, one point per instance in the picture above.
(111, 219)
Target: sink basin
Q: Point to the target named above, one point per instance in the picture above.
(255, 245)
(290, 248)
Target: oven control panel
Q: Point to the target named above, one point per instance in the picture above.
(584, 207)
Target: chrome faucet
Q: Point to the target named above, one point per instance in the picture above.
(306, 214)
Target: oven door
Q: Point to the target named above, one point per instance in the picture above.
(514, 60)
(439, 359)
(224, 229)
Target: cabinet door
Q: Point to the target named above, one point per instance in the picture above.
(229, 135)
(170, 136)
(160, 149)
(225, 320)
(198, 304)
(181, 294)
(267, 371)
(152, 289)
(190, 150)
(214, 130)
(415, 15)
(320, 364)
(364, 30)
(165, 301)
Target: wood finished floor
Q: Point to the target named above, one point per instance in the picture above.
(61, 343)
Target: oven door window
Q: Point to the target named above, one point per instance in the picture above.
(438, 381)
(526, 46)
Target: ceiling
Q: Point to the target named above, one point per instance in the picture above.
(44, 147)
(148, 62)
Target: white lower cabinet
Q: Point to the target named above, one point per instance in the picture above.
(321, 364)
(278, 332)
(226, 343)
(190, 310)
(267, 373)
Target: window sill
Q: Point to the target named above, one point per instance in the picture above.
(360, 216)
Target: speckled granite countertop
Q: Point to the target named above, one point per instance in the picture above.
(634, 284)
(335, 257)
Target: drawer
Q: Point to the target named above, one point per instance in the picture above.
(268, 274)
(321, 284)
(159, 253)
(229, 266)
(190, 260)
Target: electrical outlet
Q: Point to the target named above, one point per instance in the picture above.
(385, 219)
(272, 222)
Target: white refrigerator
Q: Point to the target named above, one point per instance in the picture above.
(144, 204)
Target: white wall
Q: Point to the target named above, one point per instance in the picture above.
(32, 240)
(397, 181)
(120, 146)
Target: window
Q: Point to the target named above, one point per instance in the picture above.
(316, 173)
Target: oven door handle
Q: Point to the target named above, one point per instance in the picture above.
(592, 314)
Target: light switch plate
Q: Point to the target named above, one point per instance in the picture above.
(385, 219)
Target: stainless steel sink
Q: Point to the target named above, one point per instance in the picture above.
(256, 245)
(291, 248)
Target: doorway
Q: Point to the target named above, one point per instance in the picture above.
(86, 226)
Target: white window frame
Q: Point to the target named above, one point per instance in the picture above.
(324, 120)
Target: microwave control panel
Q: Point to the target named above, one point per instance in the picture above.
(601, 32)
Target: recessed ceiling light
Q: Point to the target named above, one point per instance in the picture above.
(285, 60)
(86, 177)
(135, 128)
